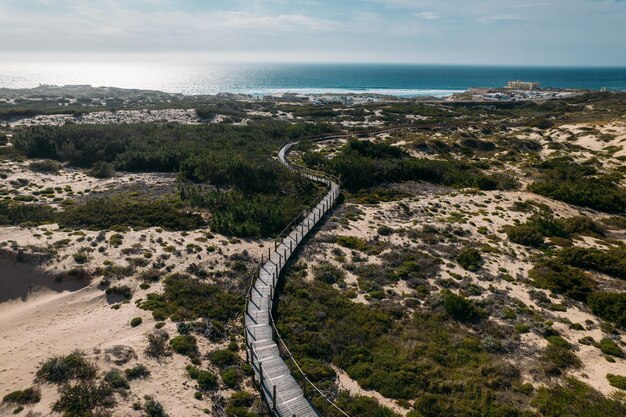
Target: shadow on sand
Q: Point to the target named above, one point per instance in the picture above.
(20, 280)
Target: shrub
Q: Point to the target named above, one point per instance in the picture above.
(184, 345)
(558, 358)
(12, 213)
(384, 230)
(223, 357)
(611, 262)
(575, 398)
(558, 341)
(102, 169)
(241, 399)
(207, 380)
(580, 184)
(470, 259)
(352, 242)
(157, 346)
(128, 210)
(47, 166)
(386, 348)
(137, 372)
(617, 381)
(610, 306)
(562, 279)
(609, 347)
(136, 321)
(186, 298)
(460, 308)
(328, 273)
(119, 290)
(154, 408)
(116, 380)
(231, 378)
(525, 235)
(85, 398)
(61, 369)
(583, 224)
(25, 396)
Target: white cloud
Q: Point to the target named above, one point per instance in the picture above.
(427, 15)
(500, 18)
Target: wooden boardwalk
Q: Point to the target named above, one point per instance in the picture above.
(278, 386)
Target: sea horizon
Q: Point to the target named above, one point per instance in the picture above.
(401, 80)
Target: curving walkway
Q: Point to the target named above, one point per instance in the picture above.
(276, 382)
(278, 386)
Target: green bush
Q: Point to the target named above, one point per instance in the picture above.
(207, 380)
(470, 259)
(223, 357)
(154, 408)
(400, 354)
(241, 399)
(25, 396)
(184, 345)
(363, 164)
(137, 372)
(611, 262)
(609, 347)
(187, 298)
(328, 273)
(157, 344)
(231, 378)
(136, 321)
(617, 381)
(575, 398)
(352, 242)
(461, 309)
(558, 358)
(610, 306)
(62, 369)
(84, 398)
(47, 166)
(562, 279)
(128, 210)
(102, 169)
(80, 257)
(525, 235)
(357, 405)
(116, 379)
(12, 213)
(580, 184)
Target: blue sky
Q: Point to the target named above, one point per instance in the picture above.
(504, 32)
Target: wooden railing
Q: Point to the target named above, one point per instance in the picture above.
(285, 243)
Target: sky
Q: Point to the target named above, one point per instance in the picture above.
(490, 32)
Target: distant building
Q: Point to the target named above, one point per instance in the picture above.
(522, 85)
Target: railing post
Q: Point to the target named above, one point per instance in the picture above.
(274, 399)
(325, 407)
(291, 246)
(261, 374)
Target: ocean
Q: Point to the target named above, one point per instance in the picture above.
(257, 79)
